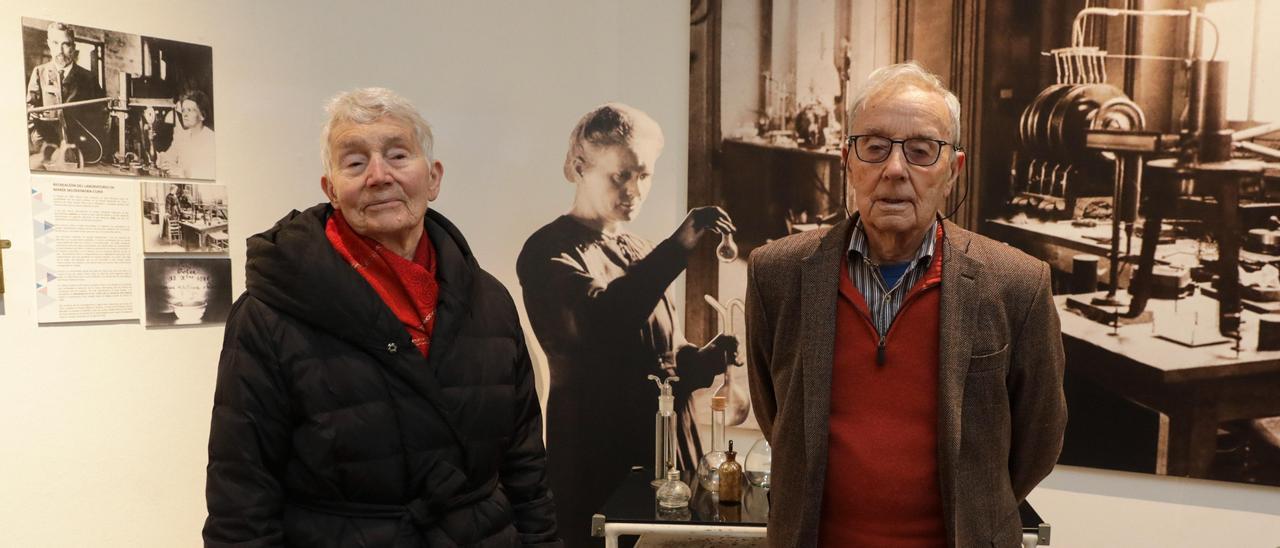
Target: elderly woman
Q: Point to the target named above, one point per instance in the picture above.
(191, 156)
(597, 298)
(374, 388)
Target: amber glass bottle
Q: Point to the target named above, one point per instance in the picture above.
(731, 478)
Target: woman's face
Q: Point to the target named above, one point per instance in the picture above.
(191, 116)
(614, 180)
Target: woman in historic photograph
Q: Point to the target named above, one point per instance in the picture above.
(597, 297)
(191, 156)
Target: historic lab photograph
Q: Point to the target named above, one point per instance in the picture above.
(187, 291)
(184, 218)
(599, 301)
(1128, 147)
(114, 103)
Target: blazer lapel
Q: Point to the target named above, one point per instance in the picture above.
(960, 274)
(820, 286)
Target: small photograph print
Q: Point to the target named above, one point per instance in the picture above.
(187, 291)
(184, 218)
(113, 103)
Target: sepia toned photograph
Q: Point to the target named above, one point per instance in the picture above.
(113, 103)
(1137, 151)
(182, 292)
(184, 218)
(600, 304)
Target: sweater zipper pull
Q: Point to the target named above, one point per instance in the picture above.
(880, 352)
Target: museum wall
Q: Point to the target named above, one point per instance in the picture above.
(105, 425)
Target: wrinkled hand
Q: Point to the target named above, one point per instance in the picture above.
(699, 221)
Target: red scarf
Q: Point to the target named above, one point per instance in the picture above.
(408, 287)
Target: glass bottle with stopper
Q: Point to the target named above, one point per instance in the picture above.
(730, 478)
(664, 430)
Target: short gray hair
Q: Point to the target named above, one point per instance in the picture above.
(367, 105)
(610, 124)
(63, 28)
(895, 77)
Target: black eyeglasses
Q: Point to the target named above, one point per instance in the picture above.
(919, 151)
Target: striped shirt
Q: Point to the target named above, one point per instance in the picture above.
(882, 301)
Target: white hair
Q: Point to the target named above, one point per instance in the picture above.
(367, 105)
(63, 28)
(895, 77)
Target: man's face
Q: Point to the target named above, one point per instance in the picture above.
(190, 113)
(615, 180)
(380, 178)
(894, 197)
(62, 48)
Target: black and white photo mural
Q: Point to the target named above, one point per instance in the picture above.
(599, 300)
(113, 103)
(1132, 145)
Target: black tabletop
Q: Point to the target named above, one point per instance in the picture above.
(633, 502)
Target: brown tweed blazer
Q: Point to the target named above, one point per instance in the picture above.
(1001, 411)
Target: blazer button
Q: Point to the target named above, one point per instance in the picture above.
(391, 347)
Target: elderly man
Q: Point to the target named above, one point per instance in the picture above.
(374, 387)
(60, 81)
(908, 372)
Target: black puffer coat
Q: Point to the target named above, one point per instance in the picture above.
(331, 429)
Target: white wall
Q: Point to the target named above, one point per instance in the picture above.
(103, 428)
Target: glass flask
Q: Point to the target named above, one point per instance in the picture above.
(727, 251)
(737, 399)
(730, 478)
(758, 463)
(709, 465)
(673, 493)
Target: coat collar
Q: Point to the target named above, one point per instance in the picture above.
(819, 287)
(293, 268)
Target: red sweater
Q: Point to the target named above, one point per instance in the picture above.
(882, 487)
